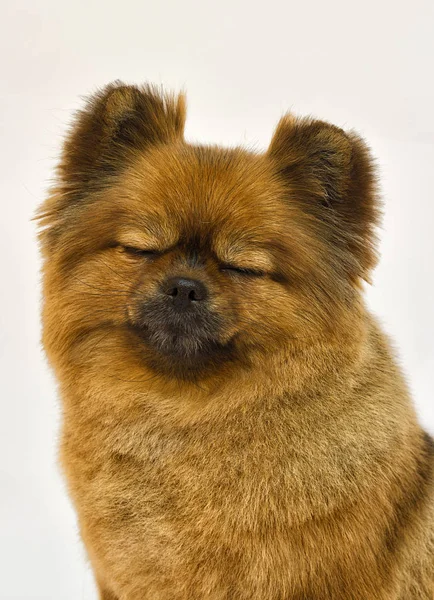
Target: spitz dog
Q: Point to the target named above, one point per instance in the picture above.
(235, 425)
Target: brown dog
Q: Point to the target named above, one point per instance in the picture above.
(235, 425)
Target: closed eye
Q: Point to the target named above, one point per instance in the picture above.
(242, 270)
(140, 251)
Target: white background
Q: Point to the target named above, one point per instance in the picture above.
(364, 65)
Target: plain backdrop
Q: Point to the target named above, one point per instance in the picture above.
(363, 65)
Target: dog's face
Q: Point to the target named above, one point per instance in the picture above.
(202, 256)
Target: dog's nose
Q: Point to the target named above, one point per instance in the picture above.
(185, 292)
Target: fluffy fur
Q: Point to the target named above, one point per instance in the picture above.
(260, 443)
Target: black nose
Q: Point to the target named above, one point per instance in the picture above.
(184, 292)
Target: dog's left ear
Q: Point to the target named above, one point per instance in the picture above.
(331, 173)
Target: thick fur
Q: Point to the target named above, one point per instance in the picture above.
(265, 447)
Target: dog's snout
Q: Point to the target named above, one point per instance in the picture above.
(184, 291)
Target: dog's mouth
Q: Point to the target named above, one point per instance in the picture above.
(183, 348)
(183, 354)
(182, 343)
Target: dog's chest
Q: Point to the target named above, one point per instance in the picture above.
(202, 503)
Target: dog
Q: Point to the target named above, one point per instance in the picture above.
(235, 424)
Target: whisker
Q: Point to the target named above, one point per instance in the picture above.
(98, 288)
(100, 258)
(108, 295)
(135, 380)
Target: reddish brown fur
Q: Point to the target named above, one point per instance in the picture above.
(282, 461)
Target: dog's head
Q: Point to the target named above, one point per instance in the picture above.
(201, 255)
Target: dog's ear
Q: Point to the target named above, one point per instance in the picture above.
(115, 122)
(331, 174)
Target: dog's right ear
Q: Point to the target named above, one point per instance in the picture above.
(117, 121)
